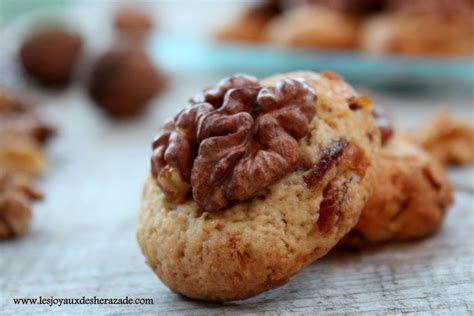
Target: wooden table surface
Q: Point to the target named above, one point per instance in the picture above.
(82, 241)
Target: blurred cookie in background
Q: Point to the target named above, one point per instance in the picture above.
(421, 28)
(416, 28)
(315, 26)
(50, 55)
(250, 25)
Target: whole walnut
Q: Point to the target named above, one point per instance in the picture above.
(233, 142)
(123, 80)
(50, 56)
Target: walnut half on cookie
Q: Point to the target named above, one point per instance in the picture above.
(232, 210)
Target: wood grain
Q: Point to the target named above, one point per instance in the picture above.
(82, 241)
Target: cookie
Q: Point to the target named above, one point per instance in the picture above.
(418, 34)
(255, 181)
(314, 27)
(410, 199)
(250, 25)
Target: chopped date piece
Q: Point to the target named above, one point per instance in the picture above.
(330, 207)
(330, 156)
(358, 103)
(431, 179)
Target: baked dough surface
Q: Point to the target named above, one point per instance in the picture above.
(257, 245)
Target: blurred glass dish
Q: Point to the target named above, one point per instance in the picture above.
(181, 53)
(11, 9)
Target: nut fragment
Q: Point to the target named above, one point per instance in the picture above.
(16, 195)
(22, 134)
(17, 119)
(22, 155)
(50, 56)
(236, 139)
(449, 140)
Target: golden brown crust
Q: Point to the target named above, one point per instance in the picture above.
(418, 34)
(409, 201)
(248, 27)
(257, 245)
(314, 27)
(448, 139)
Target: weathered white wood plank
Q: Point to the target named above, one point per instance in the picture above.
(432, 275)
(83, 244)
